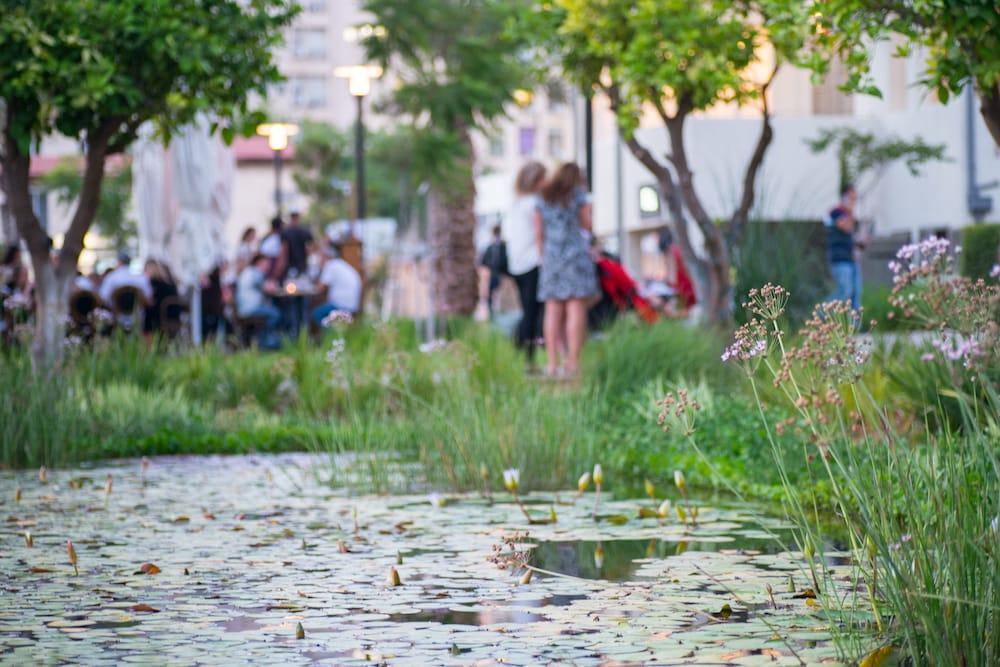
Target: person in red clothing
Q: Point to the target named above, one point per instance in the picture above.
(619, 292)
(678, 278)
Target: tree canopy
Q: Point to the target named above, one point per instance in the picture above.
(324, 171)
(960, 38)
(94, 71)
(673, 58)
(456, 64)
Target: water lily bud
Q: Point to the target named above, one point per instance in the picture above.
(598, 475)
(484, 472)
(599, 556)
(650, 489)
(43, 475)
(107, 485)
(394, 579)
(583, 483)
(526, 577)
(71, 552)
(870, 547)
(679, 479)
(808, 551)
(512, 479)
(300, 632)
(664, 508)
(681, 514)
(552, 514)
(29, 541)
(17, 494)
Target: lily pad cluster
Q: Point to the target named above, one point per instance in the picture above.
(185, 560)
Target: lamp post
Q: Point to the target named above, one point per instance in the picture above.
(277, 140)
(360, 82)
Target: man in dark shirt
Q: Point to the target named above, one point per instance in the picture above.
(495, 259)
(298, 241)
(840, 229)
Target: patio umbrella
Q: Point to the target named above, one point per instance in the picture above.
(150, 195)
(201, 184)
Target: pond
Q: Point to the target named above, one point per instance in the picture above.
(255, 559)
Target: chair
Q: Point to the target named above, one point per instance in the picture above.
(127, 305)
(248, 327)
(171, 311)
(82, 303)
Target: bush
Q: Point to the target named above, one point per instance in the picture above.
(633, 353)
(783, 253)
(980, 250)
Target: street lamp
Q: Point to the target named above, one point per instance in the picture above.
(360, 83)
(277, 140)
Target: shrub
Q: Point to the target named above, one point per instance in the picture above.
(783, 253)
(980, 250)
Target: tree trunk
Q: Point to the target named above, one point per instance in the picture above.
(53, 276)
(52, 286)
(989, 107)
(713, 289)
(451, 209)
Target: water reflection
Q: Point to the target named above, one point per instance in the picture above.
(498, 614)
(614, 560)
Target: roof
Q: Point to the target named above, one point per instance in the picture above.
(255, 149)
(246, 149)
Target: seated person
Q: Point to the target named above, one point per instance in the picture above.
(343, 287)
(84, 283)
(252, 289)
(122, 276)
(163, 287)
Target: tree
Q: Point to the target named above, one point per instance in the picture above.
(862, 153)
(111, 218)
(324, 172)
(457, 66)
(320, 171)
(961, 38)
(95, 71)
(677, 58)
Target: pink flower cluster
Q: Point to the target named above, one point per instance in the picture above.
(744, 349)
(919, 259)
(337, 317)
(958, 348)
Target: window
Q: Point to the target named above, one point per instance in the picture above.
(556, 92)
(309, 43)
(496, 145)
(649, 201)
(555, 144)
(828, 99)
(308, 92)
(526, 142)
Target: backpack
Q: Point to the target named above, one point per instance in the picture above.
(495, 258)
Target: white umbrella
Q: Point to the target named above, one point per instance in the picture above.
(150, 196)
(192, 244)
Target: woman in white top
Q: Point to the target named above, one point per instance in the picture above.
(523, 253)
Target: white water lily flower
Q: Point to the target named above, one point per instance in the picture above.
(436, 499)
(511, 479)
(664, 508)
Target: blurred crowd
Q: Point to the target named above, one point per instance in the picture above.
(284, 283)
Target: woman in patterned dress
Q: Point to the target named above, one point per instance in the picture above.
(568, 278)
